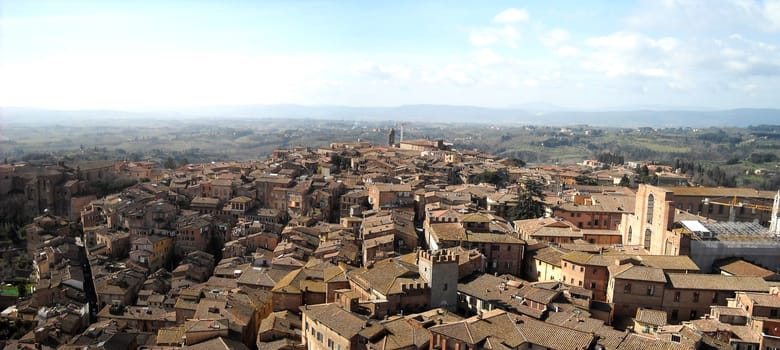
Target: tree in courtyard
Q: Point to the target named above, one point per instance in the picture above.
(625, 181)
(530, 202)
(170, 163)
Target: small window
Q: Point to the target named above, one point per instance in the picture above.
(695, 297)
(676, 296)
(675, 314)
(582, 269)
(627, 288)
(650, 290)
(445, 286)
(593, 285)
(773, 313)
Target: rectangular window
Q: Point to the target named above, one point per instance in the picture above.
(319, 337)
(650, 290)
(675, 315)
(695, 297)
(676, 296)
(773, 313)
(592, 285)
(627, 288)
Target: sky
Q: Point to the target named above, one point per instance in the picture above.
(711, 54)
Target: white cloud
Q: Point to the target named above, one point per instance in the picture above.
(381, 72)
(771, 12)
(511, 15)
(568, 51)
(633, 54)
(705, 15)
(554, 37)
(486, 56)
(483, 37)
(119, 79)
(506, 35)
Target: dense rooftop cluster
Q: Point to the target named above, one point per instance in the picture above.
(357, 246)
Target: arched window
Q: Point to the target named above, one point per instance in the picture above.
(650, 205)
(648, 236)
(630, 231)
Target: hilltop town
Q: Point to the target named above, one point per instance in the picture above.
(404, 245)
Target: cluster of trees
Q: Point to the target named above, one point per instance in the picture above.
(759, 158)
(586, 180)
(644, 176)
(557, 142)
(715, 176)
(108, 185)
(707, 175)
(719, 136)
(610, 158)
(491, 177)
(530, 202)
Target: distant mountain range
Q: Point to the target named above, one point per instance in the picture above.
(422, 113)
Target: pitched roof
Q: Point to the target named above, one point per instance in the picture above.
(652, 317)
(717, 282)
(637, 273)
(634, 341)
(219, 343)
(743, 268)
(335, 318)
(387, 276)
(550, 255)
(498, 327)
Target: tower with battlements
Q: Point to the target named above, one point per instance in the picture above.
(440, 269)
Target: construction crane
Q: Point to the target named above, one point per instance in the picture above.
(735, 203)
